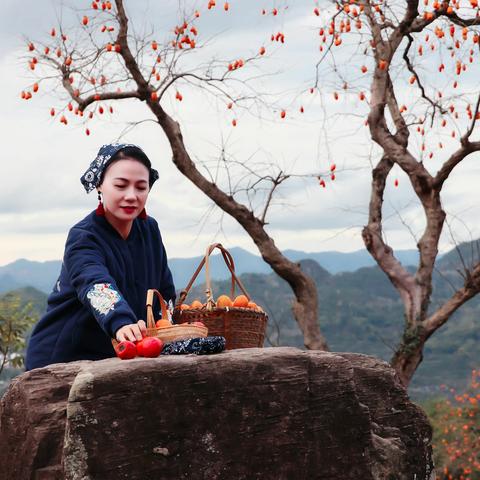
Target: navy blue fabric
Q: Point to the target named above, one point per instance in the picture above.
(198, 346)
(102, 287)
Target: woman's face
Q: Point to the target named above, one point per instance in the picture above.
(125, 189)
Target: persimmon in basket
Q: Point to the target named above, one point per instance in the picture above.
(224, 301)
(163, 323)
(240, 302)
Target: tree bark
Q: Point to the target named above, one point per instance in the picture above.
(409, 354)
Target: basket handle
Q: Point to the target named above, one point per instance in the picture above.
(163, 306)
(228, 261)
(227, 257)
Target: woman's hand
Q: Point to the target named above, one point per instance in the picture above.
(133, 332)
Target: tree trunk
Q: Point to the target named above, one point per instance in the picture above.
(409, 354)
(305, 311)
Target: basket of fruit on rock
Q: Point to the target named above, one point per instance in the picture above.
(164, 329)
(242, 322)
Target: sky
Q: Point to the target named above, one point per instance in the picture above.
(41, 197)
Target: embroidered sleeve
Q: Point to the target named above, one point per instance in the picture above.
(103, 297)
(96, 288)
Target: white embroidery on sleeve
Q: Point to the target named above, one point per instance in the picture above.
(170, 310)
(103, 297)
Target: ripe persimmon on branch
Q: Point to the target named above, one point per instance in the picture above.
(419, 57)
(122, 65)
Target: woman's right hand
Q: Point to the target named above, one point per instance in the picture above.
(133, 332)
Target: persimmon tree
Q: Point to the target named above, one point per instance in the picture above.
(412, 66)
(102, 60)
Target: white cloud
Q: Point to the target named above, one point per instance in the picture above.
(41, 196)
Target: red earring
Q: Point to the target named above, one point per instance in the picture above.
(100, 211)
(143, 214)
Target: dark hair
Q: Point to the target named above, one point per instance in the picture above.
(134, 153)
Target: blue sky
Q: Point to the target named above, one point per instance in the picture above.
(41, 196)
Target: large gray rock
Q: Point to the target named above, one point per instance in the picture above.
(274, 413)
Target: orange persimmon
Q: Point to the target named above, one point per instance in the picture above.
(224, 301)
(196, 304)
(163, 323)
(240, 301)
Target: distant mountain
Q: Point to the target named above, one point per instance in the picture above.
(43, 275)
(467, 253)
(23, 273)
(336, 262)
(32, 296)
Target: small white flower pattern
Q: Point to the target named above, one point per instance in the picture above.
(103, 297)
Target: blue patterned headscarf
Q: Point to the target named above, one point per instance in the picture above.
(92, 177)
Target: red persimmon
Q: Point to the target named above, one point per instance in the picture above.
(149, 347)
(126, 350)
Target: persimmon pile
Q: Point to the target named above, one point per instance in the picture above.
(224, 301)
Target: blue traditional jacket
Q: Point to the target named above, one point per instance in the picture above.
(102, 286)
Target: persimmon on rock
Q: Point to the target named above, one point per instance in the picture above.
(126, 350)
(149, 347)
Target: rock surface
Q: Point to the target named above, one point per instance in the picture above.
(271, 414)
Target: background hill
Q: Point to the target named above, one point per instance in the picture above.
(359, 311)
(43, 275)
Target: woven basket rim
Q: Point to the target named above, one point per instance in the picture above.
(176, 327)
(221, 309)
(178, 331)
(181, 331)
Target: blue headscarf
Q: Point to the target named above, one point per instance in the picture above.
(92, 177)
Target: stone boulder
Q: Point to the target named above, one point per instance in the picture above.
(270, 414)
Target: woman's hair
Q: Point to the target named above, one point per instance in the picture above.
(134, 153)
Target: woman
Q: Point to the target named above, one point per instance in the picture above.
(112, 257)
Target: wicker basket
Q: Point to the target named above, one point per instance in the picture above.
(168, 334)
(241, 327)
